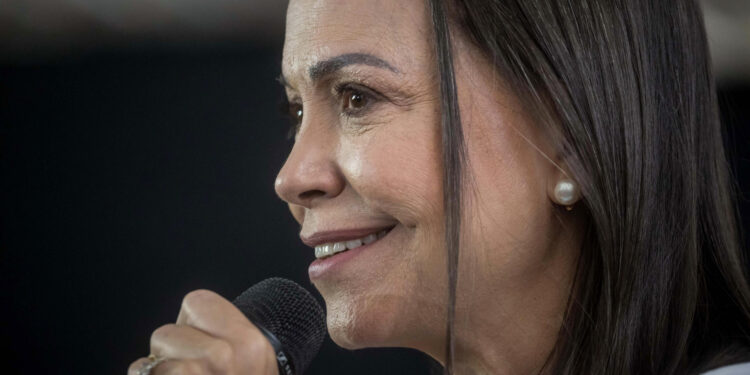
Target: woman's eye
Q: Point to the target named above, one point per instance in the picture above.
(355, 101)
(294, 111)
(295, 115)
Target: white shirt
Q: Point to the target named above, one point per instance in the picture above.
(737, 369)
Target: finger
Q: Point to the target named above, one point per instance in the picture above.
(213, 314)
(137, 365)
(181, 367)
(186, 342)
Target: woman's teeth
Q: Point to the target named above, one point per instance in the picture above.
(328, 249)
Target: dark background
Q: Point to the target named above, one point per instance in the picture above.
(130, 176)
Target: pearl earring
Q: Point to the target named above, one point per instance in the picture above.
(566, 193)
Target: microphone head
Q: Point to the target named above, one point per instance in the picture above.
(291, 313)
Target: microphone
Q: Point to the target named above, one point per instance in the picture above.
(290, 318)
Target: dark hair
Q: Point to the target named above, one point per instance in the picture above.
(626, 90)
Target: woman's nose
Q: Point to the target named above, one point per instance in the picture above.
(310, 173)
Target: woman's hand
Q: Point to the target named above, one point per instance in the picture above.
(211, 337)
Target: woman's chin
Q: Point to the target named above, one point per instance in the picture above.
(345, 338)
(357, 327)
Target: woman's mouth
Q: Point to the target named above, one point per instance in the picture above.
(332, 248)
(342, 249)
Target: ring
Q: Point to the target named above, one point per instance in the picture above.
(153, 361)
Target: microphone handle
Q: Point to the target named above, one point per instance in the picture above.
(285, 366)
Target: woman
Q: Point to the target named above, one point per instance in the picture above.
(567, 154)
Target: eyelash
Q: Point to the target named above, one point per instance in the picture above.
(344, 92)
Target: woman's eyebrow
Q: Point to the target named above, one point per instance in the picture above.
(327, 67)
(330, 66)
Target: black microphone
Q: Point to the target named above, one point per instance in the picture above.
(290, 318)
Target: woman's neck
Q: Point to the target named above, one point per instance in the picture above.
(514, 335)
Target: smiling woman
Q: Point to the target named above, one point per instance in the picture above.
(512, 187)
(368, 159)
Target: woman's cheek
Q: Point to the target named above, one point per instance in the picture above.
(396, 166)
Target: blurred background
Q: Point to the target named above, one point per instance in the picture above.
(139, 142)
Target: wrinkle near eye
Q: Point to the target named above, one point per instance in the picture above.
(381, 98)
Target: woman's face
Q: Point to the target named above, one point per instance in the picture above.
(361, 76)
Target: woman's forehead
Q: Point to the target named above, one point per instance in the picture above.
(318, 30)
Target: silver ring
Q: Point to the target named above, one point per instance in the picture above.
(153, 361)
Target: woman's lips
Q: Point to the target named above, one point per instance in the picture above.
(332, 236)
(326, 263)
(332, 248)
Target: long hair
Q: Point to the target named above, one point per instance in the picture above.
(626, 90)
